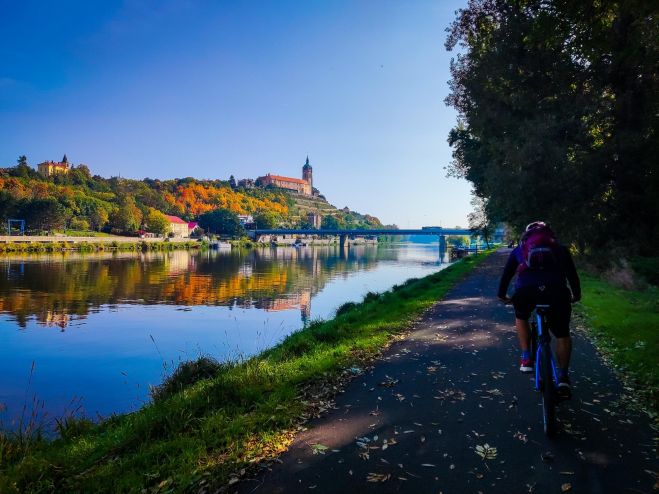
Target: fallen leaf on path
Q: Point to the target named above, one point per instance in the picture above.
(319, 449)
(428, 465)
(486, 451)
(566, 487)
(378, 477)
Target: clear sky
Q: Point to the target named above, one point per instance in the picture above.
(165, 89)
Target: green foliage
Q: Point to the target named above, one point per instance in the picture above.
(187, 374)
(266, 220)
(127, 218)
(156, 222)
(557, 105)
(330, 222)
(216, 426)
(222, 222)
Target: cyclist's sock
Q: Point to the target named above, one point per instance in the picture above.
(526, 355)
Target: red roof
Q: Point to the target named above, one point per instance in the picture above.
(288, 179)
(192, 225)
(175, 219)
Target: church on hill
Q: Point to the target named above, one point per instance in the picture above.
(302, 186)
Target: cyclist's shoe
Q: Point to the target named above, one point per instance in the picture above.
(526, 365)
(564, 388)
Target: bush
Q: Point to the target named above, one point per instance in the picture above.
(185, 375)
(345, 308)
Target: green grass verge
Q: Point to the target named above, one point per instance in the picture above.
(625, 325)
(39, 247)
(216, 426)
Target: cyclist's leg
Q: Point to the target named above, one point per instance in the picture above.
(560, 312)
(559, 320)
(523, 302)
(523, 334)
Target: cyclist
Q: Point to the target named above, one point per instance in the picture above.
(543, 282)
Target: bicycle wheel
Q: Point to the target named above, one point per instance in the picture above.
(548, 393)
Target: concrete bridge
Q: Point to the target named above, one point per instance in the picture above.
(343, 235)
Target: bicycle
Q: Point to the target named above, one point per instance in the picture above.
(546, 377)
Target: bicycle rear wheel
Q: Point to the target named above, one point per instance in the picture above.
(548, 393)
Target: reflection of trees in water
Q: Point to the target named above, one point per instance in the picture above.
(54, 289)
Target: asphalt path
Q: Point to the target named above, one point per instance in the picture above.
(446, 410)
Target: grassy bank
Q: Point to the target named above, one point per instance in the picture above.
(139, 246)
(625, 326)
(210, 421)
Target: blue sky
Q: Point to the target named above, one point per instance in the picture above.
(207, 89)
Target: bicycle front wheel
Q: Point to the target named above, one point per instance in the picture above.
(548, 393)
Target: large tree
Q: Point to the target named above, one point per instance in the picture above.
(557, 104)
(222, 222)
(127, 218)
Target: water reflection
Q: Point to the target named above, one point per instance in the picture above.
(56, 290)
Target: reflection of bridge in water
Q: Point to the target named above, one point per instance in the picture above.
(344, 234)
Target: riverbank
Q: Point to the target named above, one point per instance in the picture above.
(623, 324)
(92, 244)
(215, 426)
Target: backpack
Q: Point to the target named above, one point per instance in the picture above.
(539, 250)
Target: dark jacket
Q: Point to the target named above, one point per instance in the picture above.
(529, 277)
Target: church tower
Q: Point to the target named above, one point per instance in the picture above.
(307, 173)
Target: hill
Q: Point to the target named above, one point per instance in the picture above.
(79, 201)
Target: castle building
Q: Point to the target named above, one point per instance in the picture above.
(50, 168)
(302, 186)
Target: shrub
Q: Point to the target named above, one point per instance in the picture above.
(185, 375)
(345, 308)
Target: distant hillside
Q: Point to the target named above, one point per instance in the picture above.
(80, 201)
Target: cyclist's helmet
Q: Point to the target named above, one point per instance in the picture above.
(535, 225)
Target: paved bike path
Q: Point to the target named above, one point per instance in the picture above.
(413, 422)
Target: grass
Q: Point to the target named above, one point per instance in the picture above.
(86, 233)
(40, 247)
(625, 326)
(200, 431)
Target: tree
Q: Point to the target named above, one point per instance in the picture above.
(22, 169)
(222, 222)
(266, 220)
(127, 217)
(557, 115)
(232, 182)
(479, 222)
(157, 223)
(98, 217)
(331, 223)
(44, 214)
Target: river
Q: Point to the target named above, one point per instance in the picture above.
(91, 333)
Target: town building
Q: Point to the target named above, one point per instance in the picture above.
(178, 226)
(302, 186)
(315, 220)
(246, 183)
(246, 219)
(50, 168)
(193, 228)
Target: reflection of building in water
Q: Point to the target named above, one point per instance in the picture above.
(51, 318)
(301, 300)
(56, 290)
(179, 261)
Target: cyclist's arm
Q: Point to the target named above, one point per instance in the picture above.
(508, 273)
(572, 276)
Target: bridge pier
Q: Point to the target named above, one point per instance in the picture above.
(442, 248)
(343, 240)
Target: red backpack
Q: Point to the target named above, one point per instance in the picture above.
(539, 250)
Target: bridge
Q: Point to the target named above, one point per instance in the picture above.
(343, 235)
